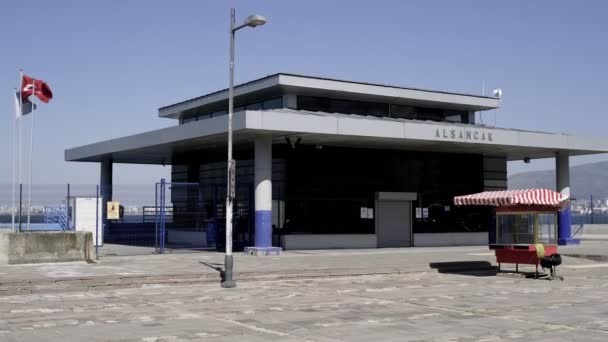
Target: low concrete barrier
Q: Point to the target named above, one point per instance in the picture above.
(450, 239)
(39, 247)
(328, 241)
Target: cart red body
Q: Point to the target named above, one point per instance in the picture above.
(506, 254)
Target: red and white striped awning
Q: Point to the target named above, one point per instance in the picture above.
(541, 197)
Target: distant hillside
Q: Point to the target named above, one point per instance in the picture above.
(586, 179)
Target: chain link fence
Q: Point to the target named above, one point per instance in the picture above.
(155, 218)
(158, 218)
(191, 216)
(34, 208)
(589, 210)
(134, 225)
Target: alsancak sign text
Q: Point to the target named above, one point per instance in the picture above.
(464, 134)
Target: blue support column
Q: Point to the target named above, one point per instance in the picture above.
(562, 173)
(263, 228)
(263, 198)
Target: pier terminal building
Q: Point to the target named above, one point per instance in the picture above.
(326, 163)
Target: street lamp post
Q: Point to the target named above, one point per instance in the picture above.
(251, 21)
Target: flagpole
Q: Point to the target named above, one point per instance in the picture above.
(29, 189)
(13, 180)
(20, 145)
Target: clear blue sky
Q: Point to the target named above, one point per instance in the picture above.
(111, 64)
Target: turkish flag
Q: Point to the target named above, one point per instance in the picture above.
(30, 86)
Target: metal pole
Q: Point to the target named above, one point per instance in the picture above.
(14, 180)
(156, 246)
(228, 282)
(67, 209)
(20, 171)
(97, 224)
(20, 140)
(29, 189)
(162, 216)
(20, 203)
(591, 209)
(21, 150)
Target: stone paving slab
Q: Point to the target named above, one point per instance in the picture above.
(421, 306)
(204, 267)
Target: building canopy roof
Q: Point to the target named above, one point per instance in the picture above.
(327, 87)
(316, 128)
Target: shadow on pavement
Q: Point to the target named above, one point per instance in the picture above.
(472, 268)
(215, 267)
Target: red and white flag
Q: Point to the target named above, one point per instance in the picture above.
(29, 87)
(39, 88)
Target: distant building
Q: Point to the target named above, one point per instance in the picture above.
(327, 163)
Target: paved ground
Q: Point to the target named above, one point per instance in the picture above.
(137, 271)
(421, 304)
(205, 264)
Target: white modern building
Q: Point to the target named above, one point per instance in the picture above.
(325, 163)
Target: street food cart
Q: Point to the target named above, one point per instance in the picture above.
(526, 223)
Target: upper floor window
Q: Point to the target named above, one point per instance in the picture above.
(186, 120)
(432, 114)
(329, 105)
(272, 103)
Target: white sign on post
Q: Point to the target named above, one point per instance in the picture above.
(418, 213)
(85, 217)
(363, 212)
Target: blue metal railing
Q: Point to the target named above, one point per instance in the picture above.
(57, 215)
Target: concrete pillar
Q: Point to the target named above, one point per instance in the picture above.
(562, 179)
(105, 187)
(263, 191)
(263, 198)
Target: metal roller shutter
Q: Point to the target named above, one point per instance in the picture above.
(393, 223)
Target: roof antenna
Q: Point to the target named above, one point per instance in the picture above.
(497, 94)
(483, 93)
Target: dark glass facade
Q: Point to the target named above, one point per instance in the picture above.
(325, 188)
(321, 191)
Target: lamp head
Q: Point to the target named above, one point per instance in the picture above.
(255, 20)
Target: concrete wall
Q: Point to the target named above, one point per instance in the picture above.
(450, 239)
(39, 247)
(328, 241)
